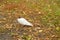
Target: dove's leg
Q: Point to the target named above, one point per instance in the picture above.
(26, 26)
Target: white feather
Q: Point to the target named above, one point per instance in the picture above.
(24, 22)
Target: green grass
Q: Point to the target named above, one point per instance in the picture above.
(49, 9)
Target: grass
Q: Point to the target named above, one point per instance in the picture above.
(43, 14)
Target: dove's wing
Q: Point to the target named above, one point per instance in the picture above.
(24, 22)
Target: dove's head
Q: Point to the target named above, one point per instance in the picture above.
(19, 17)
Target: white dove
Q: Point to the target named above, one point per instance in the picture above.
(23, 21)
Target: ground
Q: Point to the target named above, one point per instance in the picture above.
(43, 14)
